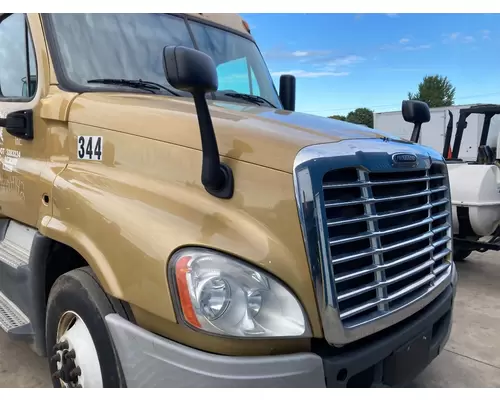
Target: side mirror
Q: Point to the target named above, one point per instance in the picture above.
(190, 70)
(416, 112)
(193, 71)
(287, 92)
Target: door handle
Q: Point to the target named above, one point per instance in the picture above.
(19, 124)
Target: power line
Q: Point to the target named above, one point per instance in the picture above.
(393, 105)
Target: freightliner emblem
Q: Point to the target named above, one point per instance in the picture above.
(404, 160)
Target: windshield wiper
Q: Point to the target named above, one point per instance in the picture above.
(153, 87)
(251, 98)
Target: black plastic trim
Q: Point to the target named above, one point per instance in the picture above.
(435, 319)
(24, 131)
(39, 257)
(24, 286)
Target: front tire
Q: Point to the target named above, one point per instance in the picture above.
(79, 347)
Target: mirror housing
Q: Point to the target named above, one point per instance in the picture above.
(418, 113)
(195, 72)
(190, 70)
(415, 111)
(287, 92)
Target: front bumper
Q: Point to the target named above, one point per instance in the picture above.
(149, 360)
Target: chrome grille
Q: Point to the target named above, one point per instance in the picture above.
(388, 235)
(376, 233)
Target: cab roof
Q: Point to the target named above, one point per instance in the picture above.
(232, 21)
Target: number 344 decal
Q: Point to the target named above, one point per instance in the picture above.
(90, 148)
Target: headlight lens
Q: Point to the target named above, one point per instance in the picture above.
(222, 295)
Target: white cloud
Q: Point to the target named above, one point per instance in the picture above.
(388, 47)
(342, 61)
(284, 54)
(449, 37)
(403, 69)
(322, 66)
(299, 53)
(300, 73)
(310, 53)
(458, 37)
(486, 34)
(419, 47)
(402, 45)
(392, 15)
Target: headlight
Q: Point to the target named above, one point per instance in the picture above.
(222, 295)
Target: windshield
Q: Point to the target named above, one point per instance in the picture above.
(130, 46)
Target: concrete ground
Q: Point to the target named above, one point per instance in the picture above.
(471, 358)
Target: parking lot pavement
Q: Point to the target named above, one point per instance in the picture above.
(472, 355)
(471, 358)
(20, 367)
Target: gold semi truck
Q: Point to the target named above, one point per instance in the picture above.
(168, 219)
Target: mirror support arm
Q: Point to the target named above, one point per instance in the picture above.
(195, 72)
(217, 177)
(415, 135)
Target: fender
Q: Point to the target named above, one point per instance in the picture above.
(127, 214)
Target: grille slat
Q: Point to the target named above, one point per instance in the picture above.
(388, 237)
(368, 235)
(442, 241)
(390, 281)
(364, 271)
(377, 199)
(440, 229)
(391, 182)
(442, 254)
(440, 202)
(441, 268)
(381, 250)
(372, 200)
(440, 215)
(392, 297)
(368, 218)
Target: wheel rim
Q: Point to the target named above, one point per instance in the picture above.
(75, 354)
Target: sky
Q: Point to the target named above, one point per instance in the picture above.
(345, 61)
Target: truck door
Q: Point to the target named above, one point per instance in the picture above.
(21, 160)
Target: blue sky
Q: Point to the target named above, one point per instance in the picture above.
(344, 61)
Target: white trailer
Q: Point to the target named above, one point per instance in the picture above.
(433, 133)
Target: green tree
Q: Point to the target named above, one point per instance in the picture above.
(435, 90)
(361, 116)
(339, 117)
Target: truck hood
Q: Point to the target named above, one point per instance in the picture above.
(254, 134)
